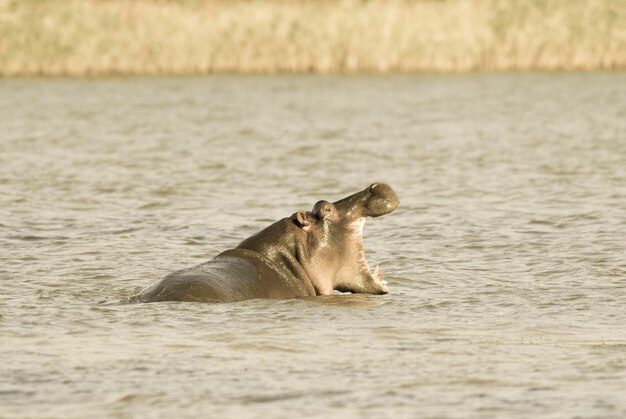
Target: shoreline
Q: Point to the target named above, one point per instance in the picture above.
(113, 76)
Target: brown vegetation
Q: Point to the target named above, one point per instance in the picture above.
(101, 37)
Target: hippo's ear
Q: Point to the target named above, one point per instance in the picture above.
(302, 219)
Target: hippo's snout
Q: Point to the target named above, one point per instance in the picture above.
(382, 200)
(376, 200)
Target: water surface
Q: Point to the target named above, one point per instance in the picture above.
(505, 259)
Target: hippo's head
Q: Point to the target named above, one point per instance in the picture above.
(324, 247)
(333, 255)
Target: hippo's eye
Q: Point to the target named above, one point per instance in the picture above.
(327, 210)
(324, 209)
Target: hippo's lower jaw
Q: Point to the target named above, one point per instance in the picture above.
(356, 275)
(378, 276)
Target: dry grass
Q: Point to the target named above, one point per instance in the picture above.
(100, 37)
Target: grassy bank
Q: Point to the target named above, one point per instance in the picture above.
(98, 37)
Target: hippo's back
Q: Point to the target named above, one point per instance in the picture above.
(225, 278)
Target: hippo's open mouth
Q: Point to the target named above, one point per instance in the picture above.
(363, 266)
(334, 257)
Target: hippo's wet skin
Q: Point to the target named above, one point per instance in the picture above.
(309, 253)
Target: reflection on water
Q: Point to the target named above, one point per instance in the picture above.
(505, 259)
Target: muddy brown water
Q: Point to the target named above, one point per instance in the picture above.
(505, 259)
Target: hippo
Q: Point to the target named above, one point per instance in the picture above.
(307, 254)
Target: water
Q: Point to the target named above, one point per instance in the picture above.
(505, 259)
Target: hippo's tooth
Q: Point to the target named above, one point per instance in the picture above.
(378, 273)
